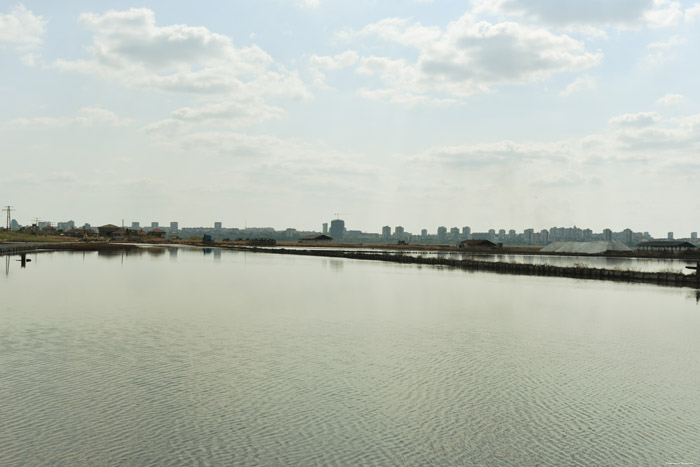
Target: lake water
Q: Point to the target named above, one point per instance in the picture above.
(177, 356)
(602, 262)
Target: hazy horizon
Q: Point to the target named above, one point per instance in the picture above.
(280, 113)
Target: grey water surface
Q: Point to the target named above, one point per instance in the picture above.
(167, 356)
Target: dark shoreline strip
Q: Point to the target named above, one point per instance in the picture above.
(658, 278)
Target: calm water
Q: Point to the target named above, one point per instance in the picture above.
(634, 264)
(177, 357)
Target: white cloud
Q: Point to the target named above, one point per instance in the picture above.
(693, 13)
(308, 3)
(591, 13)
(582, 83)
(673, 41)
(664, 14)
(319, 64)
(87, 116)
(671, 99)
(470, 56)
(227, 114)
(640, 119)
(129, 47)
(21, 28)
(343, 60)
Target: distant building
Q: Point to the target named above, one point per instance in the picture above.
(337, 229)
(174, 227)
(217, 225)
(424, 233)
(154, 225)
(316, 238)
(694, 236)
(454, 232)
(528, 234)
(607, 235)
(107, 230)
(544, 236)
(670, 236)
(135, 225)
(14, 225)
(325, 228)
(65, 225)
(398, 231)
(466, 232)
(442, 233)
(627, 236)
(156, 233)
(477, 244)
(386, 232)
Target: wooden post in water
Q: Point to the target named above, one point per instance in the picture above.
(697, 273)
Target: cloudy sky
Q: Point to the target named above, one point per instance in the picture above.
(490, 113)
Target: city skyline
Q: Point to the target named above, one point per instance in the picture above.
(512, 113)
(541, 235)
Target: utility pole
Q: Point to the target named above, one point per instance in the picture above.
(9, 210)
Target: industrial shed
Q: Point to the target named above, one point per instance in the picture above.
(665, 245)
(316, 238)
(586, 248)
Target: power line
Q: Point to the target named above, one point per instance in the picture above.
(9, 210)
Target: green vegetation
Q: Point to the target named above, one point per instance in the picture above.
(15, 236)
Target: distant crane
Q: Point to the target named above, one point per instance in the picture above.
(9, 210)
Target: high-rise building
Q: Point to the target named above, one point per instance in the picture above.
(670, 236)
(627, 233)
(325, 228)
(386, 232)
(442, 233)
(398, 231)
(693, 236)
(135, 225)
(174, 226)
(424, 233)
(337, 229)
(607, 235)
(154, 225)
(528, 234)
(544, 236)
(454, 232)
(217, 225)
(466, 232)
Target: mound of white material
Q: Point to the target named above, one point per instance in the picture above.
(585, 248)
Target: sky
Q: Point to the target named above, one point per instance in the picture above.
(496, 114)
